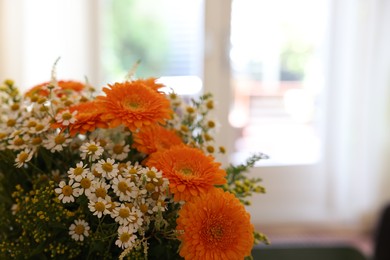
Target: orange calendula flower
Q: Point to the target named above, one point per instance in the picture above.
(215, 226)
(151, 139)
(88, 118)
(190, 172)
(40, 89)
(134, 104)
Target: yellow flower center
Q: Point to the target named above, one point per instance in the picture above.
(59, 139)
(124, 237)
(216, 232)
(39, 127)
(100, 206)
(117, 149)
(149, 186)
(132, 104)
(124, 213)
(23, 156)
(101, 192)
(19, 141)
(32, 124)
(92, 148)
(85, 183)
(107, 167)
(15, 107)
(186, 171)
(79, 229)
(11, 122)
(67, 190)
(155, 195)
(210, 104)
(102, 142)
(143, 208)
(122, 186)
(66, 116)
(36, 140)
(78, 171)
(151, 174)
(211, 124)
(133, 171)
(96, 174)
(159, 182)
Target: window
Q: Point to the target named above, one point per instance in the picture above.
(277, 76)
(164, 36)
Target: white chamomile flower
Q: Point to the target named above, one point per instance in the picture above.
(23, 157)
(119, 151)
(78, 172)
(152, 175)
(126, 237)
(99, 190)
(124, 188)
(108, 168)
(86, 184)
(123, 215)
(91, 149)
(136, 218)
(99, 207)
(67, 192)
(79, 229)
(56, 142)
(66, 117)
(19, 142)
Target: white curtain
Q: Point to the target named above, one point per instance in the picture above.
(35, 33)
(357, 109)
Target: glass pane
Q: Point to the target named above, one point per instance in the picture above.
(277, 77)
(165, 37)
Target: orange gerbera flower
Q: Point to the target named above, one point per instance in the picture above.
(190, 172)
(215, 226)
(151, 139)
(150, 82)
(134, 104)
(88, 118)
(63, 84)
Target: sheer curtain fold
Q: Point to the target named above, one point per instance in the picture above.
(35, 33)
(358, 121)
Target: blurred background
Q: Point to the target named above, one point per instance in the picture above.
(305, 82)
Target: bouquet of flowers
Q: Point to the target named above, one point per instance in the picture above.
(125, 173)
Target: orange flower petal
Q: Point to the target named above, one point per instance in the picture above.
(189, 167)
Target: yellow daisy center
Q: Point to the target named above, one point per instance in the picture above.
(11, 122)
(78, 171)
(100, 206)
(143, 208)
(124, 213)
(36, 140)
(101, 193)
(67, 190)
(18, 141)
(23, 156)
(117, 149)
(124, 237)
(92, 148)
(39, 127)
(151, 174)
(107, 167)
(32, 124)
(85, 183)
(66, 116)
(122, 186)
(79, 229)
(59, 139)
